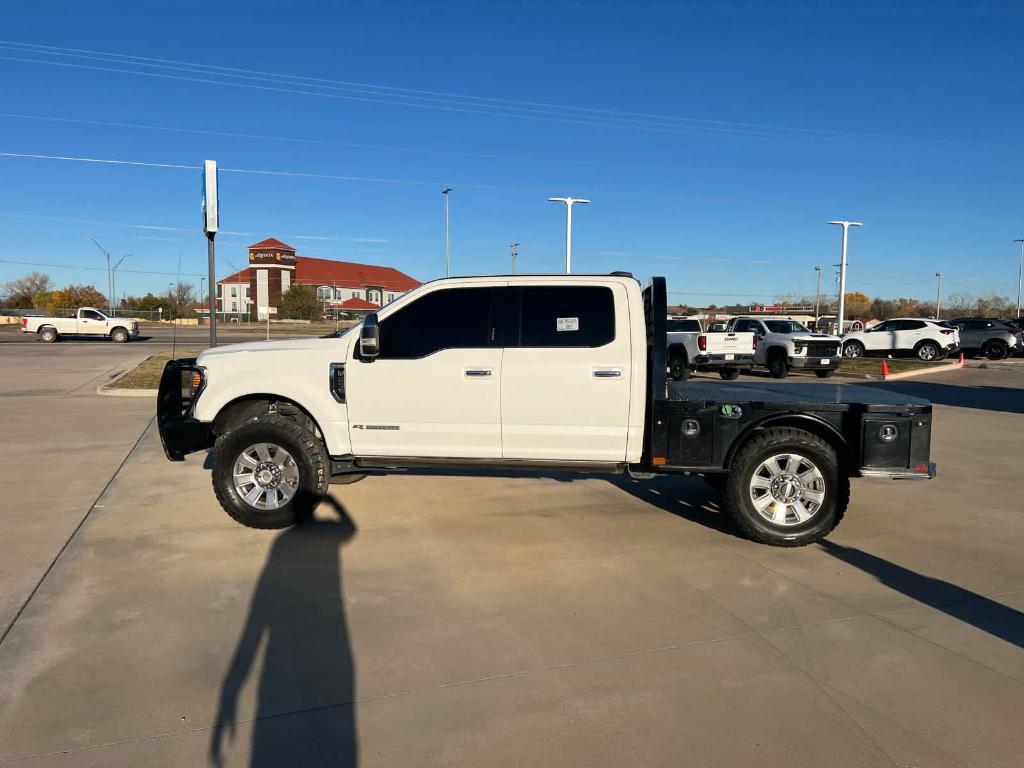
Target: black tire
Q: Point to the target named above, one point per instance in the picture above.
(49, 335)
(729, 374)
(120, 335)
(678, 366)
(310, 457)
(825, 374)
(738, 504)
(928, 351)
(996, 350)
(778, 365)
(853, 349)
(348, 478)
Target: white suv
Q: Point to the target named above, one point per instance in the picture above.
(926, 339)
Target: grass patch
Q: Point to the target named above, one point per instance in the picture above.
(146, 375)
(874, 365)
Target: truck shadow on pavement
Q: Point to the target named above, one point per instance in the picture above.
(305, 711)
(999, 399)
(969, 607)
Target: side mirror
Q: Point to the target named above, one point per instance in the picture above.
(369, 338)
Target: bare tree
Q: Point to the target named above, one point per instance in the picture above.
(18, 294)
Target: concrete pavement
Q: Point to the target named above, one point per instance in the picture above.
(518, 620)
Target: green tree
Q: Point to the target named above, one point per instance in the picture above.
(70, 298)
(299, 303)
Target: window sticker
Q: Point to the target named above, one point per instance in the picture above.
(567, 324)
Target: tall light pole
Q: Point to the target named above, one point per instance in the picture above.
(842, 274)
(447, 236)
(938, 295)
(110, 279)
(113, 279)
(817, 297)
(569, 202)
(1020, 272)
(514, 254)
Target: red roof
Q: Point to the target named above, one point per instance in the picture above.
(355, 304)
(346, 274)
(272, 242)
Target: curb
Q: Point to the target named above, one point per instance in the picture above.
(109, 391)
(953, 364)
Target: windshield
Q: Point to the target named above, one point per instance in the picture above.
(683, 325)
(786, 326)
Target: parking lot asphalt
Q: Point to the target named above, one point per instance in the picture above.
(437, 619)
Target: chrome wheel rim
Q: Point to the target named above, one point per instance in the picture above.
(852, 350)
(265, 476)
(927, 352)
(787, 489)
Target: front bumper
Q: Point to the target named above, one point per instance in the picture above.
(725, 359)
(816, 363)
(901, 473)
(180, 433)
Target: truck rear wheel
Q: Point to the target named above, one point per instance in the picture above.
(678, 366)
(49, 335)
(785, 488)
(269, 472)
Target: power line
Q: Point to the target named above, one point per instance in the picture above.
(92, 269)
(446, 101)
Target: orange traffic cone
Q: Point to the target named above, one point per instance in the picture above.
(885, 368)
(961, 359)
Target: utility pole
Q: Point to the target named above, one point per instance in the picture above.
(842, 274)
(938, 296)
(1020, 272)
(447, 236)
(817, 297)
(514, 254)
(569, 201)
(110, 279)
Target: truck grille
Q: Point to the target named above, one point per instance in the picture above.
(822, 349)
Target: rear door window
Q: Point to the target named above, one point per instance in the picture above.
(567, 316)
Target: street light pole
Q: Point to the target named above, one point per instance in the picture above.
(447, 236)
(569, 201)
(817, 297)
(938, 295)
(113, 279)
(1020, 272)
(514, 254)
(842, 274)
(110, 280)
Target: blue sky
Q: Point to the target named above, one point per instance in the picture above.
(715, 139)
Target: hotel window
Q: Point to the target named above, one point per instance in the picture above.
(355, 294)
(324, 293)
(234, 291)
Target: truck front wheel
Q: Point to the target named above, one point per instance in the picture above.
(269, 472)
(785, 488)
(120, 335)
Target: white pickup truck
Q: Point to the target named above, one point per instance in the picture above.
(86, 322)
(527, 373)
(784, 344)
(691, 348)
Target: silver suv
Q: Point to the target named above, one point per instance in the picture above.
(989, 337)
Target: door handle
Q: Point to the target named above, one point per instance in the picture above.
(607, 373)
(478, 372)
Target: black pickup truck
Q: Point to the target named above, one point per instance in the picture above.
(528, 372)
